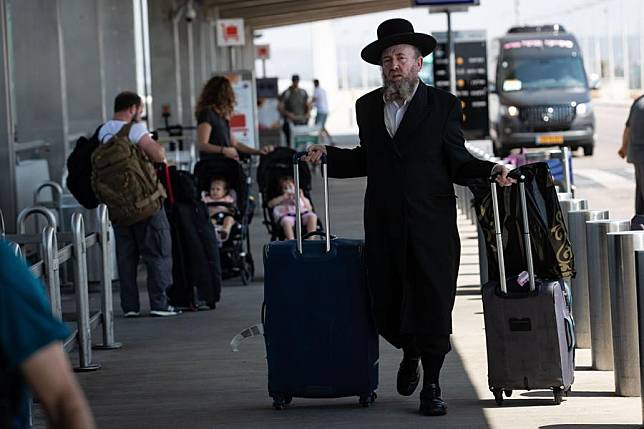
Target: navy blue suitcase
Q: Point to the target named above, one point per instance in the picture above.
(321, 341)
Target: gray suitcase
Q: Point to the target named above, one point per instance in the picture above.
(529, 329)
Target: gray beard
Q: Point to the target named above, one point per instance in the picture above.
(398, 91)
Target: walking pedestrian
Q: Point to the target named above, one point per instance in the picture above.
(411, 149)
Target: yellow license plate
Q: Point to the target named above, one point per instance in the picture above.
(550, 139)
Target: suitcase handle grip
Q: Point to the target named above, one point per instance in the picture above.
(298, 215)
(521, 179)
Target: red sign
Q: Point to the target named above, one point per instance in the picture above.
(262, 52)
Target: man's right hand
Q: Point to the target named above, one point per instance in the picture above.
(314, 153)
(230, 152)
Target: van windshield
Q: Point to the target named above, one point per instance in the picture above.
(533, 73)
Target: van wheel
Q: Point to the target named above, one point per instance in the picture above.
(588, 150)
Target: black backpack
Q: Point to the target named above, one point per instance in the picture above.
(79, 169)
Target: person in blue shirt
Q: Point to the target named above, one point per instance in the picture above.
(32, 354)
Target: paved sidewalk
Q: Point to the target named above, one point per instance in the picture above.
(181, 373)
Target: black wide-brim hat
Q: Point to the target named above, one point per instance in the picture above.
(395, 32)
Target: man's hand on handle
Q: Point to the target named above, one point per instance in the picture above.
(502, 178)
(314, 153)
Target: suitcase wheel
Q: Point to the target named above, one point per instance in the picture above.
(366, 400)
(281, 401)
(498, 395)
(558, 393)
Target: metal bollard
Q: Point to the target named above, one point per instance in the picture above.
(623, 309)
(107, 305)
(567, 177)
(82, 295)
(601, 334)
(639, 271)
(573, 204)
(579, 285)
(50, 259)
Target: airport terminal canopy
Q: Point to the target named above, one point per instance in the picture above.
(274, 13)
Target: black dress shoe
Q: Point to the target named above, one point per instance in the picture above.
(431, 403)
(408, 376)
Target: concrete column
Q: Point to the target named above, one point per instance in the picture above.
(8, 202)
(85, 91)
(164, 84)
(171, 62)
(39, 77)
(119, 65)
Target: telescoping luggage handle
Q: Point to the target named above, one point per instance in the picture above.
(499, 235)
(298, 215)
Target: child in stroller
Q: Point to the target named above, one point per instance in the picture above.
(231, 175)
(221, 206)
(283, 207)
(272, 169)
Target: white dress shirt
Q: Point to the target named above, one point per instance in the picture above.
(394, 113)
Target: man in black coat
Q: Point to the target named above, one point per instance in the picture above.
(412, 151)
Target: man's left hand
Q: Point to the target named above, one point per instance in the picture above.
(503, 179)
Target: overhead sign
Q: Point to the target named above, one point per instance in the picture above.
(447, 2)
(440, 6)
(230, 32)
(471, 78)
(243, 121)
(262, 52)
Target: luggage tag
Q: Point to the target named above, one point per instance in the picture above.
(251, 331)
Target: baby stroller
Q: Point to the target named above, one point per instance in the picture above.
(272, 167)
(236, 257)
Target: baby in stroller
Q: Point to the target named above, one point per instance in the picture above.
(283, 207)
(221, 215)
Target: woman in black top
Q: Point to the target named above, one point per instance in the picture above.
(216, 104)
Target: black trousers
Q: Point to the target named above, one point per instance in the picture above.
(417, 345)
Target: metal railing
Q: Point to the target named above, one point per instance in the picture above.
(73, 251)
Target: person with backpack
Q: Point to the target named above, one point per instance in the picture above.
(124, 178)
(294, 107)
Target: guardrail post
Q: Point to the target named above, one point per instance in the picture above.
(639, 269)
(623, 309)
(579, 285)
(82, 295)
(107, 305)
(601, 334)
(50, 260)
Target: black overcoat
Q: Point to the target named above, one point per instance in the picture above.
(410, 208)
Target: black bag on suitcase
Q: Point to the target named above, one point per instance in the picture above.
(552, 249)
(529, 328)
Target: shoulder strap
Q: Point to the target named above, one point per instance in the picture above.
(125, 130)
(95, 135)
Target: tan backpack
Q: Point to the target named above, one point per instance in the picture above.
(125, 180)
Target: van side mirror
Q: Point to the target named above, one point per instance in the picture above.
(594, 81)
